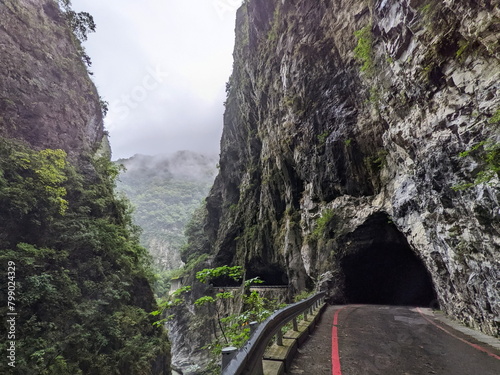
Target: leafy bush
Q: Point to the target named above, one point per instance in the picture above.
(495, 119)
(322, 224)
(82, 279)
(364, 49)
(488, 153)
(231, 329)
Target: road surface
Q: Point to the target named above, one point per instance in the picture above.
(391, 340)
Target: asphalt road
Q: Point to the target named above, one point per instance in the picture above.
(391, 340)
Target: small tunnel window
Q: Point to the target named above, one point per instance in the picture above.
(380, 267)
(271, 274)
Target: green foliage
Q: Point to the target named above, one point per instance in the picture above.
(82, 277)
(322, 137)
(322, 224)
(31, 179)
(82, 23)
(193, 263)
(234, 328)
(463, 46)
(181, 290)
(204, 300)
(425, 9)
(104, 106)
(273, 32)
(488, 153)
(363, 51)
(167, 302)
(495, 119)
(302, 295)
(430, 12)
(256, 280)
(235, 273)
(377, 161)
(197, 244)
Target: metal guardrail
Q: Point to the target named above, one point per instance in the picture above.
(248, 360)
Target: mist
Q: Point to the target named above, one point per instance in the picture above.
(162, 66)
(181, 165)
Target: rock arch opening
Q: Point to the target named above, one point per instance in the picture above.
(270, 274)
(379, 267)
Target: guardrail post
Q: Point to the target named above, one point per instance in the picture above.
(279, 338)
(227, 355)
(253, 327)
(249, 361)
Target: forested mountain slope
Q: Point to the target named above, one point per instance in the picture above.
(165, 191)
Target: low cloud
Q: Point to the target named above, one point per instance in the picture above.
(162, 66)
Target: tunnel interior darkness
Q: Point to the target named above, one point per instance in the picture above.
(270, 274)
(380, 267)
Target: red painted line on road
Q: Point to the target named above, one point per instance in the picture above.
(475, 346)
(335, 352)
(335, 344)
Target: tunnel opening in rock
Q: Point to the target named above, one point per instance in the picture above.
(381, 268)
(269, 274)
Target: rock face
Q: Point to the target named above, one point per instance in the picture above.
(343, 130)
(40, 82)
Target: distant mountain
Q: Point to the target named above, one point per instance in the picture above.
(165, 190)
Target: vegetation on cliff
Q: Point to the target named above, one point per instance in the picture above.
(232, 309)
(81, 278)
(342, 139)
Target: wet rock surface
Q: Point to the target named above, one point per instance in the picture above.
(47, 98)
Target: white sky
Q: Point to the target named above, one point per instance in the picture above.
(162, 65)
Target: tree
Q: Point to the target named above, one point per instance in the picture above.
(81, 23)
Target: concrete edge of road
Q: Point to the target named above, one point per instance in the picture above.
(479, 336)
(277, 359)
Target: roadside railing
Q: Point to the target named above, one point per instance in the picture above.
(248, 359)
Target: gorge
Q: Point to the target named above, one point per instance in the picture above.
(360, 155)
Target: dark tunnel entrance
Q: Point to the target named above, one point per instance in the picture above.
(380, 267)
(270, 274)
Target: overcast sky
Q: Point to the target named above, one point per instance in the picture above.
(162, 66)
